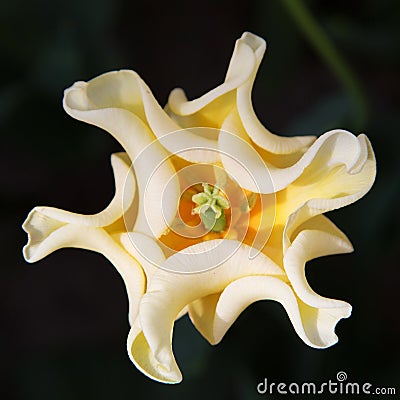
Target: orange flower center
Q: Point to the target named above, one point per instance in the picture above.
(242, 221)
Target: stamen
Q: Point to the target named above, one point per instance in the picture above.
(210, 207)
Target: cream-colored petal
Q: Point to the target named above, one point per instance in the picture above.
(47, 235)
(202, 313)
(115, 102)
(142, 357)
(121, 202)
(214, 314)
(334, 179)
(112, 101)
(315, 238)
(252, 125)
(307, 234)
(169, 292)
(42, 222)
(242, 161)
(234, 94)
(140, 354)
(145, 250)
(337, 147)
(340, 172)
(121, 103)
(241, 67)
(50, 229)
(195, 145)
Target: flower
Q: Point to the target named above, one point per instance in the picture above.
(212, 212)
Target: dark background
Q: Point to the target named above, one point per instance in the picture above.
(64, 319)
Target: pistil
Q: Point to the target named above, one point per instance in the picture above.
(210, 207)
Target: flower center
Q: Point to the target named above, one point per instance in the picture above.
(210, 207)
(205, 213)
(196, 221)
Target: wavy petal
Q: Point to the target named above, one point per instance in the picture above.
(112, 101)
(121, 103)
(203, 314)
(115, 102)
(206, 110)
(307, 234)
(169, 292)
(123, 199)
(240, 158)
(215, 314)
(257, 132)
(89, 238)
(242, 161)
(145, 250)
(50, 229)
(142, 357)
(234, 94)
(335, 178)
(339, 173)
(317, 237)
(44, 221)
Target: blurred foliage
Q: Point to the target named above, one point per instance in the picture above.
(64, 320)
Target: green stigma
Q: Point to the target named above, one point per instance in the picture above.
(210, 207)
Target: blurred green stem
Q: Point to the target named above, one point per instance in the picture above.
(320, 41)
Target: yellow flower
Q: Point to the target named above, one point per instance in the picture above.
(224, 214)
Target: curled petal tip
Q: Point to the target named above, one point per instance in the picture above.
(145, 360)
(39, 227)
